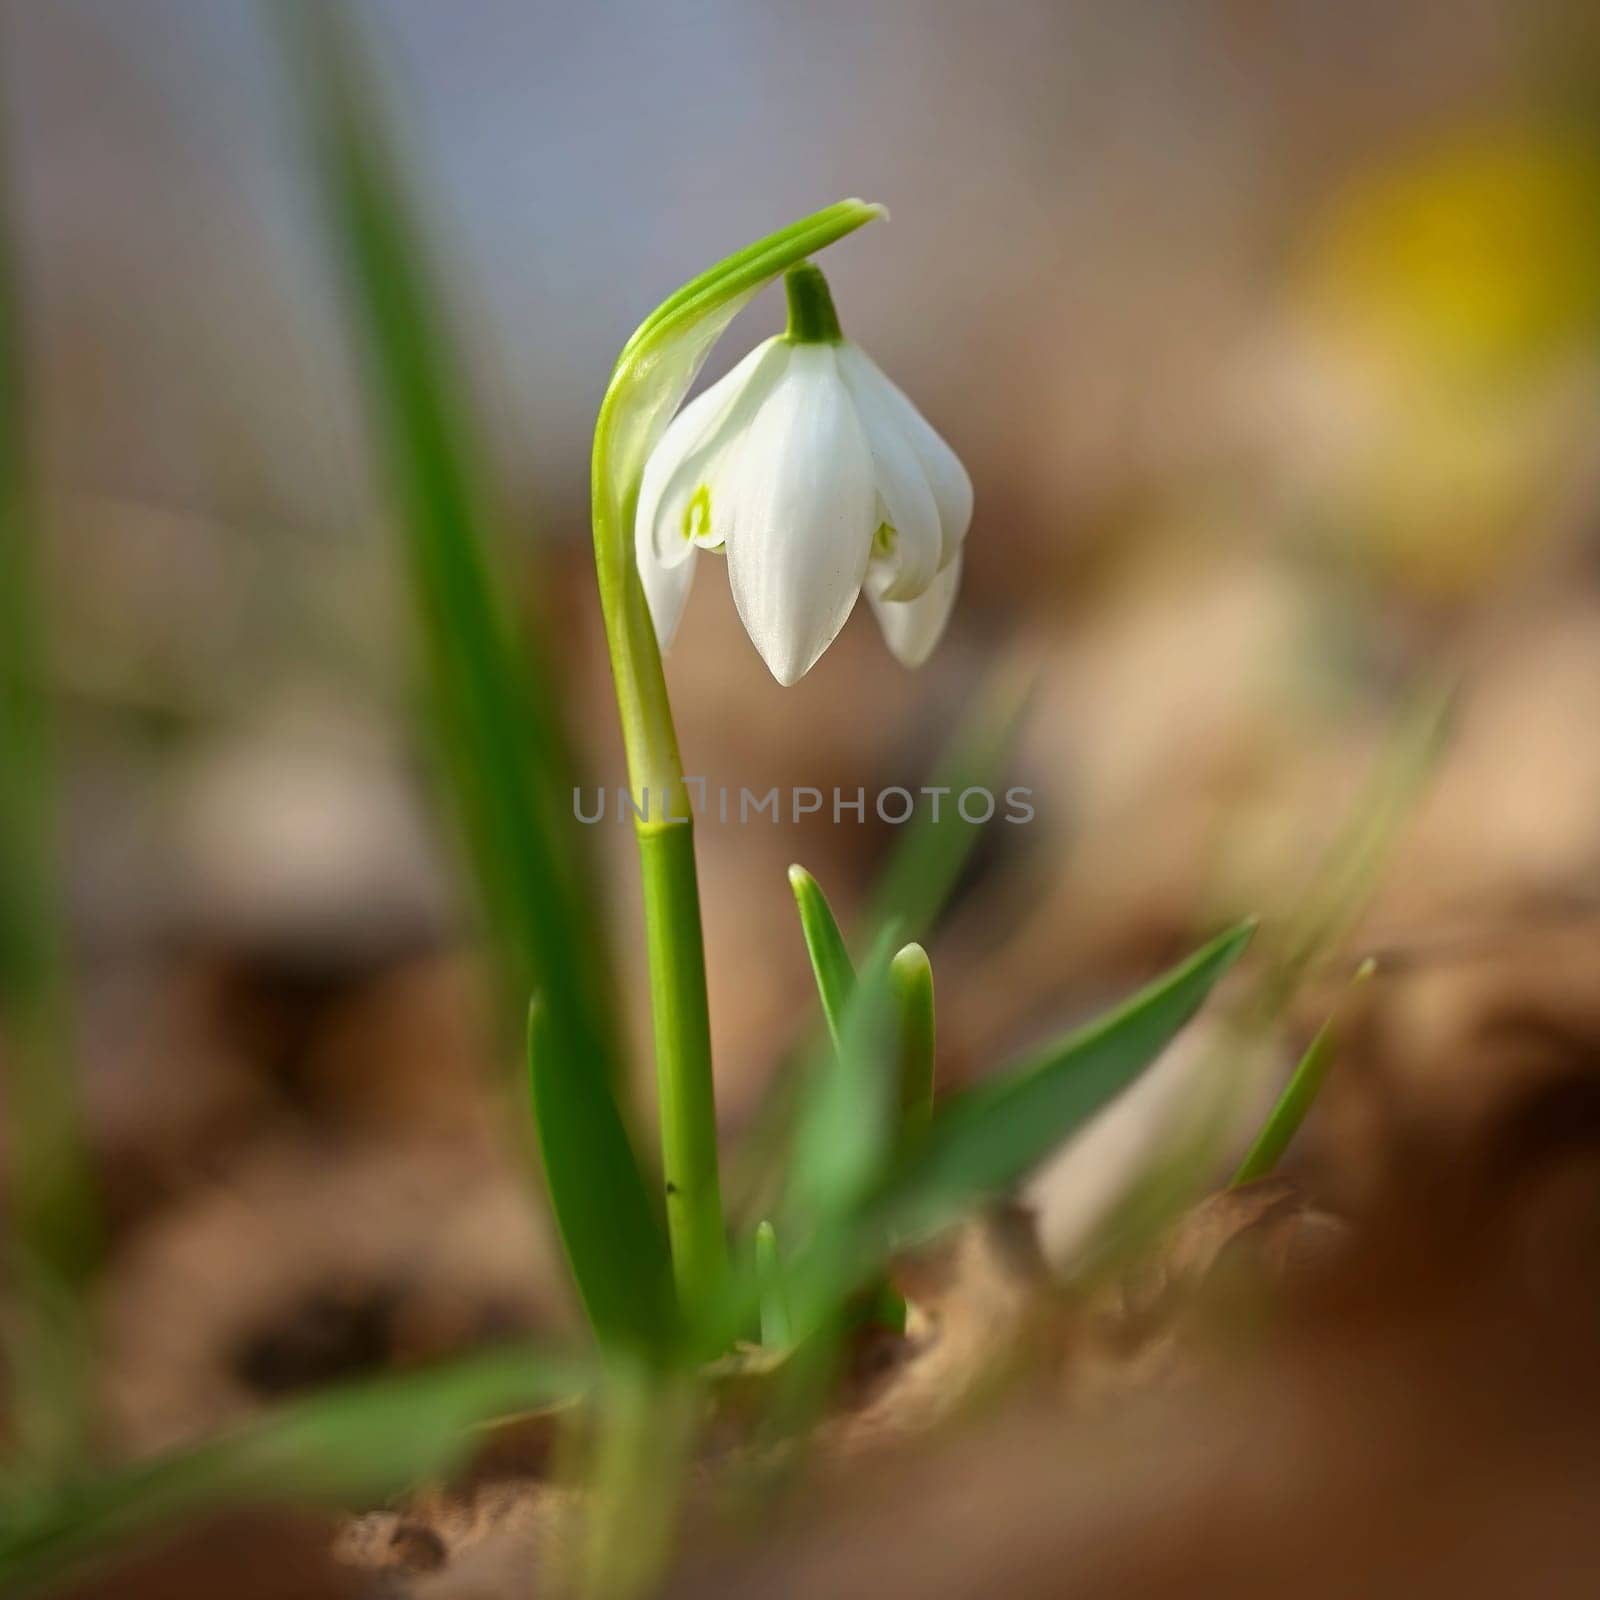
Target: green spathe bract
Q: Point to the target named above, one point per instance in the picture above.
(812, 317)
(652, 375)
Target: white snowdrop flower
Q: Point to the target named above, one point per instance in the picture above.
(817, 478)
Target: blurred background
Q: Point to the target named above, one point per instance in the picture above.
(1270, 334)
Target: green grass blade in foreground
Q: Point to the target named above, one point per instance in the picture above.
(844, 1142)
(634, 1475)
(759, 1152)
(987, 1139)
(349, 1446)
(496, 711)
(49, 1202)
(610, 1232)
(830, 960)
(1299, 1095)
(494, 699)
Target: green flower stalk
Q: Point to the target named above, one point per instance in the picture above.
(652, 375)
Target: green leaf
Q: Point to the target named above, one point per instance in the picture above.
(982, 1142)
(911, 979)
(844, 1123)
(830, 960)
(495, 705)
(494, 700)
(776, 1332)
(609, 1229)
(50, 1204)
(350, 1445)
(846, 1127)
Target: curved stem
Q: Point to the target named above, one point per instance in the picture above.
(652, 375)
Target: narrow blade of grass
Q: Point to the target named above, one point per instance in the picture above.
(612, 1238)
(52, 1234)
(349, 1446)
(495, 708)
(830, 960)
(494, 700)
(1299, 1095)
(836, 1156)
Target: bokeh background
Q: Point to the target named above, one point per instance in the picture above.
(1267, 331)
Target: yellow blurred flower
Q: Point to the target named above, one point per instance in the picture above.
(1452, 303)
(1476, 259)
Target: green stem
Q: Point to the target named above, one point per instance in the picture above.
(675, 943)
(635, 1477)
(688, 1108)
(652, 375)
(812, 319)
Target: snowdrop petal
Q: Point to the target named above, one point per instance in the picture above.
(676, 508)
(666, 588)
(802, 515)
(913, 627)
(947, 478)
(915, 551)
